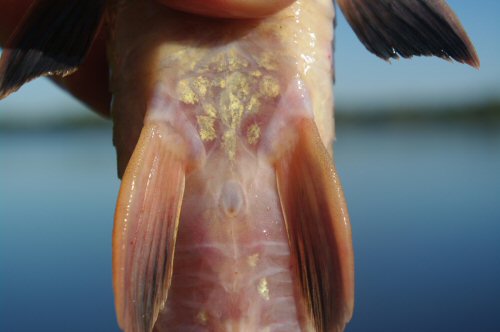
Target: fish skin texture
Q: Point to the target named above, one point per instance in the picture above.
(237, 93)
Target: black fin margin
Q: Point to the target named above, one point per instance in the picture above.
(53, 39)
(394, 28)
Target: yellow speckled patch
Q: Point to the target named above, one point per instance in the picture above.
(210, 110)
(227, 88)
(185, 92)
(252, 260)
(207, 127)
(229, 142)
(218, 82)
(238, 84)
(202, 317)
(269, 87)
(235, 61)
(232, 108)
(253, 134)
(218, 62)
(253, 105)
(267, 60)
(256, 73)
(200, 85)
(263, 289)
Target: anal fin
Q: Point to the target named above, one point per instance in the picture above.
(146, 223)
(318, 229)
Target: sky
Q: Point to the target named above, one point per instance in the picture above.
(363, 82)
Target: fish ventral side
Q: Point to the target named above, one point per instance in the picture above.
(228, 106)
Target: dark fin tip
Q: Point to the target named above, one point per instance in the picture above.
(18, 67)
(52, 39)
(406, 28)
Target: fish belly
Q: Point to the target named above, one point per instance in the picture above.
(182, 63)
(232, 266)
(230, 93)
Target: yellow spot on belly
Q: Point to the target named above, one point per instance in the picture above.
(253, 105)
(238, 87)
(256, 73)
(263, 289)
(252, 260)
(200, 85)
(231, 108)
(235, 61)
(210, 110)
(185, 93)
(238, 84)
(218, 82)
(253, 134)
(207, 127)
(267, 60)
(202, 317)
(269, 87)
(229, 141)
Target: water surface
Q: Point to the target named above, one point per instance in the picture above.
(424, 202)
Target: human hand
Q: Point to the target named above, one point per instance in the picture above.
(89, 83)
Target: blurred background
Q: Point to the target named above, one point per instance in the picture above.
(418, 149)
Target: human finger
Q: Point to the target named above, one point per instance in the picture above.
(229, 8)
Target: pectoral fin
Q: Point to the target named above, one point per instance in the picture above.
(146, 222)
(53, 39)
(393, 28)
(318, 229)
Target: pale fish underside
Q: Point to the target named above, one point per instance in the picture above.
(231, 215)
(237, 118)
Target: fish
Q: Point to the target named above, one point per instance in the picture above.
(231, 215)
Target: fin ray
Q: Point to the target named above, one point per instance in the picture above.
(146, 223)
(394, 28)
(318, 230)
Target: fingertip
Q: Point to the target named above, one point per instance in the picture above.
(229, 8)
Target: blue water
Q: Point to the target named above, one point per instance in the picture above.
(424, 203)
